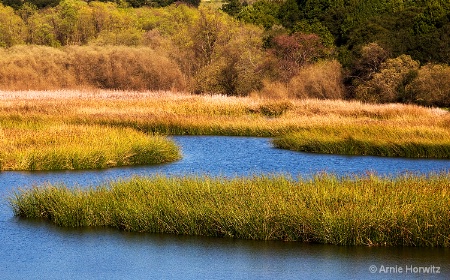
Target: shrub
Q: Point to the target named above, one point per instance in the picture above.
(390, 83)
(224, 55)
(323, 80)
(125, 68)
(35, 67)
(432, 86)
(272, 90)
(38, 67)
(275, 108)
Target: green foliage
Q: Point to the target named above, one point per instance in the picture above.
(317, 28)
(263, 13)
(419, 29)
(289, 13)
(233, 7)
(219, 54)
(12, 27)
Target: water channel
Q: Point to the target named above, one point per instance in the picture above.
(39, 250)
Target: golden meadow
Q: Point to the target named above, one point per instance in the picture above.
(406, 211)
(323, 126)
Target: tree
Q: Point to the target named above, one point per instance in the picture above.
(289, 13)
(390, 83)
(296, 50)
(233, 7)
(263, 13)
(12, 27)
(431, 87)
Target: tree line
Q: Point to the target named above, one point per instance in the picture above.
(378, 50)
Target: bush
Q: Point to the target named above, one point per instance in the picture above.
(38, 67)
(390, 83)
(275, 108)
(35, 67)
(125, 68)
(224, 55)
(323, 80)
(432, 86)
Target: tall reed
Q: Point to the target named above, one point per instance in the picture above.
(370, 140)
(42, 146)
(368, 210)
(325, 122)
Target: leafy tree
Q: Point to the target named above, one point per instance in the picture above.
(263, 13)
(73, 22)
(389, 85)
(12, 27)
(233, 7)
(296, 50)
(431, 87)
(227, 55)
(316, 27)
(41, 29)
(289, 13)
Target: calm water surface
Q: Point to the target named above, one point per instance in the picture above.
(38, 250)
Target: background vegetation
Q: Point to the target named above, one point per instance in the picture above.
(374, 211)
(376, 51)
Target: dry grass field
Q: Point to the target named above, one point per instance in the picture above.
(322, 123)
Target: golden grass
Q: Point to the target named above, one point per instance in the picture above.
(29, 145)
(368, 210)
(177, 113)
(416, 142)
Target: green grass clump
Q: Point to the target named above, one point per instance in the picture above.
(367, 210)
(370, 140)
(39, 146)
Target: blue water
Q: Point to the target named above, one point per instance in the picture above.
(38, 250)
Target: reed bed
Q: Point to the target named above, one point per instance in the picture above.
(46, 146)
(415, 142)
(172, 113)
(410, 210)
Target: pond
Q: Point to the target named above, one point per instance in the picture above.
(39, 250)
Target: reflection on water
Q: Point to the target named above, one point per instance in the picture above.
(38, 250)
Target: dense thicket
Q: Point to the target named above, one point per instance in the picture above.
(381, 43)
(420, 29)
(132, 3)
(378, 51)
